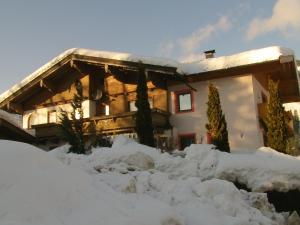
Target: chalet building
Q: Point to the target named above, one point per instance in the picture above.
(177, 94)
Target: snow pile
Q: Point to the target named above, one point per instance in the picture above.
(137, 185)
(260, 170)
(14, 119)
(190, 185)
(38, 189)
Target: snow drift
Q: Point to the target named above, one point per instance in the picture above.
(37, 189)
(137, 185)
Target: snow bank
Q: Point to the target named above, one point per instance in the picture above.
(112, 186)
(189, 185)
(260, 170)
(11, 118)
(38, 189)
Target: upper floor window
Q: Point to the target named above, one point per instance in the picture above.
(184, 101)
(52, 118)
(133, 108)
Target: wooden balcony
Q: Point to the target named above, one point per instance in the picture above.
(112, 124)
(47, 130)
(125, 122)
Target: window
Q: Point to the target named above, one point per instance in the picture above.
(184, 101)
(32, 120)
(186, 140)
(52, 116)
(106, 110)
(133, 108)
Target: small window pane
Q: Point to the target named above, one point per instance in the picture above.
(133, 108)
(52, 117)
(106, 110)
(185, 102)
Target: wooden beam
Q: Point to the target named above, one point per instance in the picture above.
(47, 85)
(123, 63)
(290, 98)
(76, 67)
(18, 108)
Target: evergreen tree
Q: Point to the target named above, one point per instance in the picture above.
(277, 133)
(216, 127)
(144, 126)
(72, 129)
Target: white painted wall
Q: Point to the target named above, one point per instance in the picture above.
(258, 89)
(41, 115)
(238, 104)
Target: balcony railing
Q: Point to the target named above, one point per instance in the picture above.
(112, 124)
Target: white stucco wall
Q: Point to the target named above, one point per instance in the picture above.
(41, 115)
(238, 104)
(258, 89)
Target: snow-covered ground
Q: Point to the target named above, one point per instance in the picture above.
(131, 184)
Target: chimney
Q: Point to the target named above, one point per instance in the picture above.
(210, 53)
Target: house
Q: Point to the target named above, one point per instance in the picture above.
(177, 94)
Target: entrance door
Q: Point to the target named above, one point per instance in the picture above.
(186, 140)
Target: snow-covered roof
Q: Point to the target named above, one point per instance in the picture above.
(205, 65)
(241, 59)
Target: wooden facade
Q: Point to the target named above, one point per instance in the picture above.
(104, 85)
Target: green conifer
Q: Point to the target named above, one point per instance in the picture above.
(277, 134)
(72, 129)
(216, 127)
(144, 126)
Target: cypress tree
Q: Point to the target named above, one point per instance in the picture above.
(216, 126)
(73, 129)
(144, 126)
(277, 134)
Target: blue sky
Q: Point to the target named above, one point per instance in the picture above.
(34, 31)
